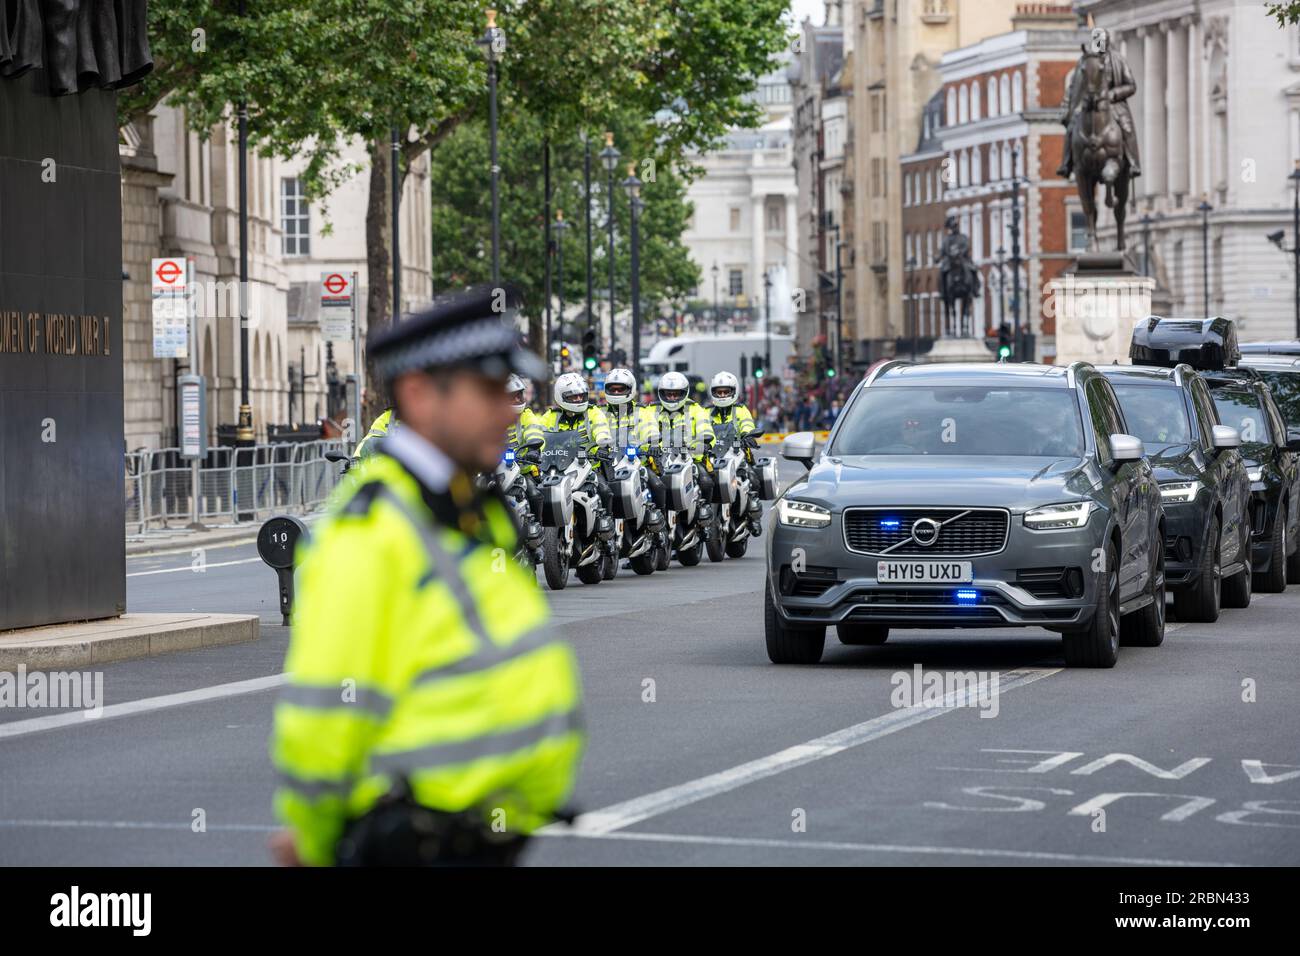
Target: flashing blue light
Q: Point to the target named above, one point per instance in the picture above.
(967, 595)
(631, 451)
(510, 456)
(889, 522)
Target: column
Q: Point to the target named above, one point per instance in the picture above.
(1152, 92)
(1176, 74)
(792, 245)
(757, 252)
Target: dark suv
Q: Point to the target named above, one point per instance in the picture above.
(1273, 467)
(990, 495)
(1203, 483)
(1282, 375)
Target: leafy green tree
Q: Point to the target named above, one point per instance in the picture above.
(1285, 12)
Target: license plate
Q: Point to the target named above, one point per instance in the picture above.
(950, 572)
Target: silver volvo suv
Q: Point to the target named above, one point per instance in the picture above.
(990, 495)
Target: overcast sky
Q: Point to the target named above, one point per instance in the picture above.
(808, 8)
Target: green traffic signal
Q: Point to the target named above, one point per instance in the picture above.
(1004, 351)
(830, 373)
(589, 362)
(758, 373)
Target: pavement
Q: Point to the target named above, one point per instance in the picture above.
(701, 752)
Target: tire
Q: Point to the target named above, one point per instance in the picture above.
(1274, 580)
(691, 556)
(592, 573)
(861, 634)
(646, 562)
(737, 549)
(555, 560)
(714, 544)
(1202, 603)
(1236, 590)
(789, 645)
(1097, 645)
(1146, 628)
(1293, 565)
(609, 566)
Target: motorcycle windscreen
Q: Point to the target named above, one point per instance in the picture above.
(562, 447)
(724, 434)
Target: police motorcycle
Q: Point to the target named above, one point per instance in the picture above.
(691, 524)
(740, 483)
(640, 537)
(577, 532)
(508, 480)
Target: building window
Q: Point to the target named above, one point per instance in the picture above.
(975, 101)
(1017, 92)
(295, 219)
(734, 214)
(993, 96)
(963, 105)
(775, 217)
(735, 282)
(1004, 93)
(950, 117)
(976, 166)
(994, 169)
(1078, 232)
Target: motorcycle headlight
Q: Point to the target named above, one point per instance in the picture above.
(1067, 514)
(1255, 474)
(1172, 492)
(802, 514)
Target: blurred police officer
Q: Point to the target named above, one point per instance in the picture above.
(431, 717)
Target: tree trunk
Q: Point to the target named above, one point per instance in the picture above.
(379, 270)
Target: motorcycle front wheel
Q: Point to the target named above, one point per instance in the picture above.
(555, 559)
(715, 542)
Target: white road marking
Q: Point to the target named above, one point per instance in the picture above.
(136, 825)
(970, 851)
(625, 814)
(78, 718)
(193, 570)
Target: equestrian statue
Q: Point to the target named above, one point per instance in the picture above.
(959, 279)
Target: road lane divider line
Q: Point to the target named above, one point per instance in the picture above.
(79, 718)
(137, 825)
(193, 570)
(621, 815)
(925, 850)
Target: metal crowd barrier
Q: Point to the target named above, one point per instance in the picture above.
(234, 484)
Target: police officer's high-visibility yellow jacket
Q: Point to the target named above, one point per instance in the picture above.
(734, 420)
(378, 429)
(526, 430)
(418, 650)
(683, 427)
(630, 424)
(593, 420)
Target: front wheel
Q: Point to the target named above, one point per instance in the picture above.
(789, 645)
(1202, 602)
(1273, 581)
(715, 541)
(1097, 645)
(555, 559)
(737, 549)
(1146, 628)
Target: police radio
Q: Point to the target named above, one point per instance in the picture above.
(277, 544)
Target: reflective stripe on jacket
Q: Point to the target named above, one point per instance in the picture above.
(593, 420)
(378, 429)
(737, 417)
(417, 651)
(682, 427)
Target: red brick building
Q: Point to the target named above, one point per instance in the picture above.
(998, 147)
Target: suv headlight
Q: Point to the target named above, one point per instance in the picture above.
(1068, 514)
(1255, 474)
(802, 514)
(1172, 492)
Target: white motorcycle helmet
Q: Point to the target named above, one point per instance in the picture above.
(516, 389)
(620, 386)
(571, 392)
(723, 390)
(672, 391)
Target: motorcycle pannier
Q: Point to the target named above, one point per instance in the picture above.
(557, 502)
(679, 478)
(629, 495)
(767, 485)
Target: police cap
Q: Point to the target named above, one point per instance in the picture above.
(470, 328)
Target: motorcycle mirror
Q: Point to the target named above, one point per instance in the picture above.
(336, 456)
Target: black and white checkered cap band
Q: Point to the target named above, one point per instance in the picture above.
(463, 343)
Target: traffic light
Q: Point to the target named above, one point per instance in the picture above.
(1004, 341)
(830, 373)
(564, 356)
(757, 365)
(744, 367)
(589, 361)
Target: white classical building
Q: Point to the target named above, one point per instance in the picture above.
(1218, 119)
(180, 197)
(745, 220)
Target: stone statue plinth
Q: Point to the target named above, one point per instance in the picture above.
(1096, 307)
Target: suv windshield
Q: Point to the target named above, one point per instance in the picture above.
(963, 420)
(1286, 392)
(1157, 414)
(1241, 410)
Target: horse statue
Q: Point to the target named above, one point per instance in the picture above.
(959, 279)
(1101, 146)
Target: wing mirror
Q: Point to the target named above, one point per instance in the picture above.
(800, 447)
(1225, 436)
(1126, 448)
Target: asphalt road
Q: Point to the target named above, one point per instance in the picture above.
(702, 752)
